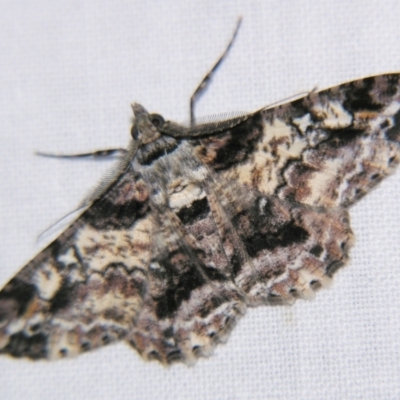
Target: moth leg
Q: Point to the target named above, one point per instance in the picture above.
(99, 154)
(207, 78)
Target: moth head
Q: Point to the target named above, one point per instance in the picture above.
(145, 126)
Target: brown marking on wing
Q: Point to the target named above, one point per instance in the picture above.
(327, 149)
(191, 304)
(85, 289)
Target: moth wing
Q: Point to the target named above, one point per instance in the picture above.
(284, 178)
(86, 288)
(191, 303)
(277, 250)
(327, 149)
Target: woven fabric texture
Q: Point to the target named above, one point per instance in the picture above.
(69, 71)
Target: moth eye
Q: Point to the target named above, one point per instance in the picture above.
(134, 132)
(157, 120)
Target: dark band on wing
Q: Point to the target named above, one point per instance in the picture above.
(233, 146)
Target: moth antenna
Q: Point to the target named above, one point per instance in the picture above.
(99, 154)
(111, 176)
(108, 179)
(54, 224)
(205, 83)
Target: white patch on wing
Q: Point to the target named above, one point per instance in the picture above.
(262, 204)
(279, 143)
(333, 115)
(47, 280)
(185, 196)
(131, 247)
(303, 122)
(68, 258)
(392, 109)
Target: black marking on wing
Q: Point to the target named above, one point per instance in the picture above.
(19, 292)
(22, 345)
(285, 236)
(238, 143)
(106, 215)
(359, 97)
(263, 226)
(341, 137)
(63, 298)
(185, 271)
(393, 133)
(178, 292)
(198, 210)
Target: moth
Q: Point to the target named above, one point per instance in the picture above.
(201, 221)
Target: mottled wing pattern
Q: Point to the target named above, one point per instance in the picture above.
(198, 228)
(192, 304)
(290, 249)
(327, 149)
(86, 288)
(300, 166)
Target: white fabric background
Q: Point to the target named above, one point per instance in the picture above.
(68, 72)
